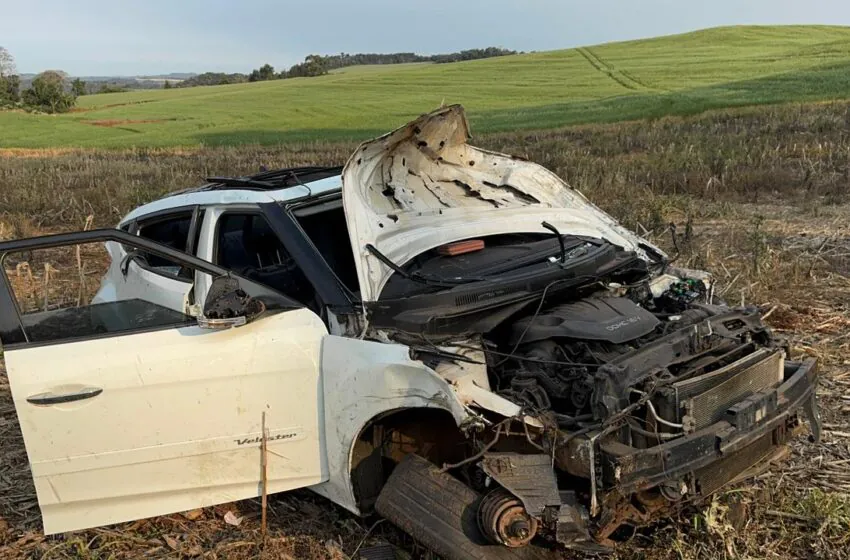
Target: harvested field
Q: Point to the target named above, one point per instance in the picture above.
(758, 196)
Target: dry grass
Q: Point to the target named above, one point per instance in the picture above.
(792, 263)
(642, 172)
(759, 197)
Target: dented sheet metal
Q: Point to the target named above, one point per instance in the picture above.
(422, 186)
(530, 478)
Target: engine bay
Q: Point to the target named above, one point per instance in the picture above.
(635, 369)
(444, 297)
(629, 361)
(575, 328)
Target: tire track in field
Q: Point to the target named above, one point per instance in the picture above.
(620, 76)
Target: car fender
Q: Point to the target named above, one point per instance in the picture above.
(364, 380)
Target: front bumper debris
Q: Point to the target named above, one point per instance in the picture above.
(635, 486)
(635, 470)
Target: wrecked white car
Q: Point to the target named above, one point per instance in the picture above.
(451, 337)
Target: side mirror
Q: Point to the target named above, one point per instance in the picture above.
(228, 306)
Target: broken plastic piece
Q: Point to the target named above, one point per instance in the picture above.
(231, 519)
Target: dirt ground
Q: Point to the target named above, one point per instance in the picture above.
(793, 262)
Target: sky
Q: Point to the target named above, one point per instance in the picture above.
(138, 37)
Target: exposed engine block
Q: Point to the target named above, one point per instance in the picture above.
(588, 360)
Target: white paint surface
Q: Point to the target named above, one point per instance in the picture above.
(169, 431)
(423, 186)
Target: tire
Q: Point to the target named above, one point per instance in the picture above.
(439, 511)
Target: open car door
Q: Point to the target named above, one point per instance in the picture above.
(131, 409)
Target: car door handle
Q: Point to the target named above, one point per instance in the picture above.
(59, 398)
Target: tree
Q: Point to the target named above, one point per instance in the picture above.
(7, 63)
(10, 89)
(78, 87)
(48, 93)
(315, 65)
(265, 72)
(166, 85)
(10, 82)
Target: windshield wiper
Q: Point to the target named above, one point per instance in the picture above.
(416, 276)
(557, 233)
(242, 182)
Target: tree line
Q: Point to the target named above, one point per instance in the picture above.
(50, 92)
(53, 91)
(318, 65)
(344, 59)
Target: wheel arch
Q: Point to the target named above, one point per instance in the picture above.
(366, 383)
(430, 432)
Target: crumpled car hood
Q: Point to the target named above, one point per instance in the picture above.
(422, 186)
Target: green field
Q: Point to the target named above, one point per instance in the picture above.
(678, 75)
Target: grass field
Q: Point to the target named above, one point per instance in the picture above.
(675, 75)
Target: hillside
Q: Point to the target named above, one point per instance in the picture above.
(680, 74)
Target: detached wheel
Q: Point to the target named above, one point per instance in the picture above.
(503, 520)
(441, 512)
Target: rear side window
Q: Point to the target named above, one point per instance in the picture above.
(177, 231)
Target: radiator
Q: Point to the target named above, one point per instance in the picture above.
(706, 398)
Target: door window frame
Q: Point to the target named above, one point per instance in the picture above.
(257, 210)
(329, 290)
(290, 209)
(12, 332)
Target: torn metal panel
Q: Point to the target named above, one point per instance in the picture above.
(530, 478)
(423, 186)
(472, 385)
(488, 400)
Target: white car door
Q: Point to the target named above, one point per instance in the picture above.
(147, 413)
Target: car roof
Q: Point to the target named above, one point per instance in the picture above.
(213, 194)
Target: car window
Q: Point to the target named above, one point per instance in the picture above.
(69, 293)
(173, 231)
(247, 245)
